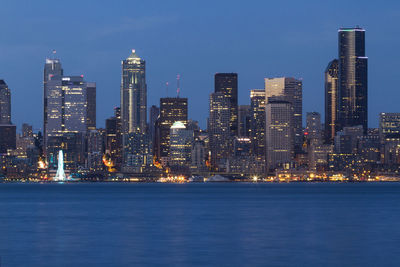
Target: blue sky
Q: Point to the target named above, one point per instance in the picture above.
(256, 39)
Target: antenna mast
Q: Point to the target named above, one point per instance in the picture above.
(178, 89)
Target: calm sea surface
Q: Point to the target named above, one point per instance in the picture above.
(227, 224)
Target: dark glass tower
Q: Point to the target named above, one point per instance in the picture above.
(331, 100)
(227, 84)
(5, 103)
(220, 141)
(91, 105)
(353, 79)
(257, 122)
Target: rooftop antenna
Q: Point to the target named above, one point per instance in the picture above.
(178, 89)
(53, 53)
(166, 87)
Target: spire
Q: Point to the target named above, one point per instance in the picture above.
(133, 55)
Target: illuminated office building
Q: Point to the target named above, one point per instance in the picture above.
(331, 100)
(389, 123)
(220, 141)
(313, 128)
(353, 79)
(227, 85)
(5, 103)
(67, 121)
(290, 90)
(172, 109)
(114, 139)
(134, 113)
(133, 95)
(181, 140)
(95, 150)
(279, 133)
(257, 122)
(52, 70)
(389, 135)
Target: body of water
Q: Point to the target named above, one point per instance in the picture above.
(214, 224)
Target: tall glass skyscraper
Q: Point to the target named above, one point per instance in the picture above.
(52, 69)
(257, 122)
(353, 79)
(5, 103)
(133, 95)
(66, 122)
(135, 140)
(220, 141)
(227, 84)
(331, 100)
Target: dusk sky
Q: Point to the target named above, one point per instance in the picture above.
(196, 39)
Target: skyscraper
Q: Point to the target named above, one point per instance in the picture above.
(181, 140)
(172, 109)
(52, 69)
(7, 131)
(313, 129)
(244, 120)
(154, 114)
(134, 113)
(66, 123)
(67, 106)
(133, 95)
(114, 140)
(291, 90)
(279, 133)
(257, 122)
(331, 100)
(227, 84)
(91, 105)
(5, 103)
(219, 122)
(353, 79)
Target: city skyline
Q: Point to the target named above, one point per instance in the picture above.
(263, 56)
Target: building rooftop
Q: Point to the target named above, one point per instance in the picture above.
(133, 55)
(178, 125)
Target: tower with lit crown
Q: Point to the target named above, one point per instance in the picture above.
(353, 79)
(133, 95)
(135, 141)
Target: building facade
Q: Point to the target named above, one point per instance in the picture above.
(172, 109)
(331, 100)
(5, 103)
(279, 133)
(257, 122)
(181, 141)
(291, 90)
(134, 113)
(133, 95)
(353, 79)
(227, 84)
(219, 125)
